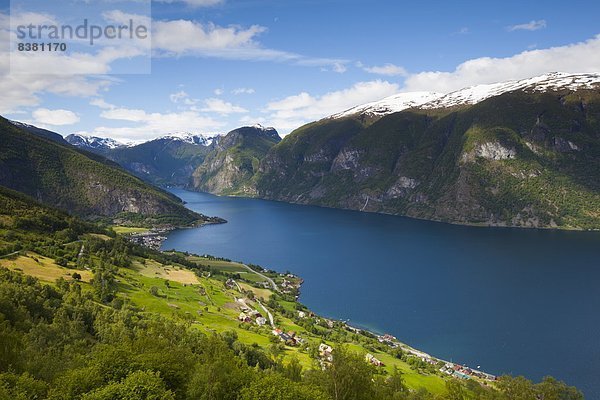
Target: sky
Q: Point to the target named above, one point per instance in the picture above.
(215, 65)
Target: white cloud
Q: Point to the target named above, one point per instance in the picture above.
(242, 90)
(190, 38)
(145, 125)
(294, 111)
(196, 3)
(574, 58)
(340, 68)
(24, 76)
(99, 102)
(222, 107)
(529, 26)
(387, 69)
(184, 36)
(55, 117)
(218, 91)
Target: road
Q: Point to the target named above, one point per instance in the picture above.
(11, 254)
(268, 313)
(271, 282)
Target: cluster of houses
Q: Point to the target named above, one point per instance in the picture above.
(389, 340)
(290, 338)
(249, 315)
(292, 285)
(455, 370)
(152, 238)
(464, 372)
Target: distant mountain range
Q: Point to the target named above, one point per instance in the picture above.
(168, 160)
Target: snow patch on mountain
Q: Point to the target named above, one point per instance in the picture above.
(542, 83)
(191, 138)
(472, 95)
(391, 104)
(93, 142)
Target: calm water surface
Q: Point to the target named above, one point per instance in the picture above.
(513, 301)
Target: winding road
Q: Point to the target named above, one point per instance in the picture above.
(271, 282)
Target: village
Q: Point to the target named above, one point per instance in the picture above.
(449, 368)
(152, 238)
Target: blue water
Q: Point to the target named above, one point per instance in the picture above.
(513, 301)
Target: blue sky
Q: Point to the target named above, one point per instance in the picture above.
(220, 64)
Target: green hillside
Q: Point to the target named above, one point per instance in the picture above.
(85, 314)
(82, 183)
(518, 159)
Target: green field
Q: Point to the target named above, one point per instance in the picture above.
(211, 307)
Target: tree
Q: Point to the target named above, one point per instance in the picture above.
(139, 385)
(349, 377)
(76, 276)
(275, 387)
(220, 375)
(517, 388)
(551, 389)
(293, 370)
(104, 282)
(456, 391)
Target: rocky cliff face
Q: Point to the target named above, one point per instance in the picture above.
(230, 167)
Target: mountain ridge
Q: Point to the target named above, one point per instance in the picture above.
(81, 183)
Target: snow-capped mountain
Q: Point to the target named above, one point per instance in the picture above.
(542, 83)
(191, 138)
(94, 142)
(473, 95)
(391, 104)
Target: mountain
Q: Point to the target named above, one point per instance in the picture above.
(93, 143)
(168, 160)
(81, 183)
(522, 153)
(391, 104)
(231, 166)
(55, 137)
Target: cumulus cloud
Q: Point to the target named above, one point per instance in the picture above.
(145, 125)
(529, 26)
(57, 117)
(296, 110)
(182, 98)
(221, 107)
(574, 58)
(386, 69)
(187, 37)
(25, 76)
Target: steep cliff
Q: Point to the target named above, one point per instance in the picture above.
(230, 168)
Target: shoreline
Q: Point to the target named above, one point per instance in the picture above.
(460, 371)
